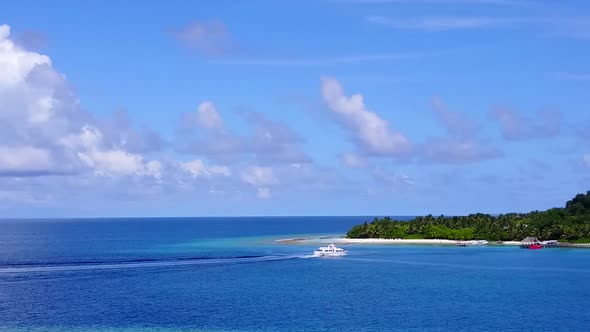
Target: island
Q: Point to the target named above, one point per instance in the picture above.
(568, 224)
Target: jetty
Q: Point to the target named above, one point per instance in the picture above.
(534, 241)
(571, 245)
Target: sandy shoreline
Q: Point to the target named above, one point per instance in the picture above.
(343, 240)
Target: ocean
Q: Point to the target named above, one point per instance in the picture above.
(228, 274)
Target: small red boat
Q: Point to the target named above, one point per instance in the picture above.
(535, 246)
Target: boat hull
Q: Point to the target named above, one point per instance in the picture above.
(324, 254)
(532, 246)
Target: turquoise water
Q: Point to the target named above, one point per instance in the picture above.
(228, 274)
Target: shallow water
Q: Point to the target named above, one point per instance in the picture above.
(227, 274)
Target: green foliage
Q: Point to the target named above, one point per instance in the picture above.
(571, 223)
(579, 204)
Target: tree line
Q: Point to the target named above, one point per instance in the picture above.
(571, 223)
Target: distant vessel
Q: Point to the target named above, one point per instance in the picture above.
(330, 251)
(531, 242)
(472, 243)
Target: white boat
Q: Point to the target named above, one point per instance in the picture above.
(472, 243)
(330, 251)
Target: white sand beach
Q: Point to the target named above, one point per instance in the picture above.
(397, 241)
(343, 240)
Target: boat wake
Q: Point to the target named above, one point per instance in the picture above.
(82, 266)
(308, 256)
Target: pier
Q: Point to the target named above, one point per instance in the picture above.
(527, 242)
(569, 245)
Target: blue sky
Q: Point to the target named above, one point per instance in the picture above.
(326, 107)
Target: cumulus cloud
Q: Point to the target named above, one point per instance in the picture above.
(209, 38)
(517, 127)
(375, 138)
(16, 61)
(266, 141)
(46, 132)
(36, 107)
(90, 149)
(208, 117)
(372, 133)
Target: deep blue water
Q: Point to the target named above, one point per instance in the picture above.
(228, 274)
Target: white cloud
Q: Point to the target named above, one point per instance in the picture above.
(33, 96)
(88, 137)
(587, 159)
(219, 170)
(45, 129)
(154, 169)
(36, 109)
(89, 147)
(373, 134)
(113, 162)
(353, 160)
(197, 168)
(24, 159)
(16, 63)
(261, 178)
(208, 117)
(266, 142)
